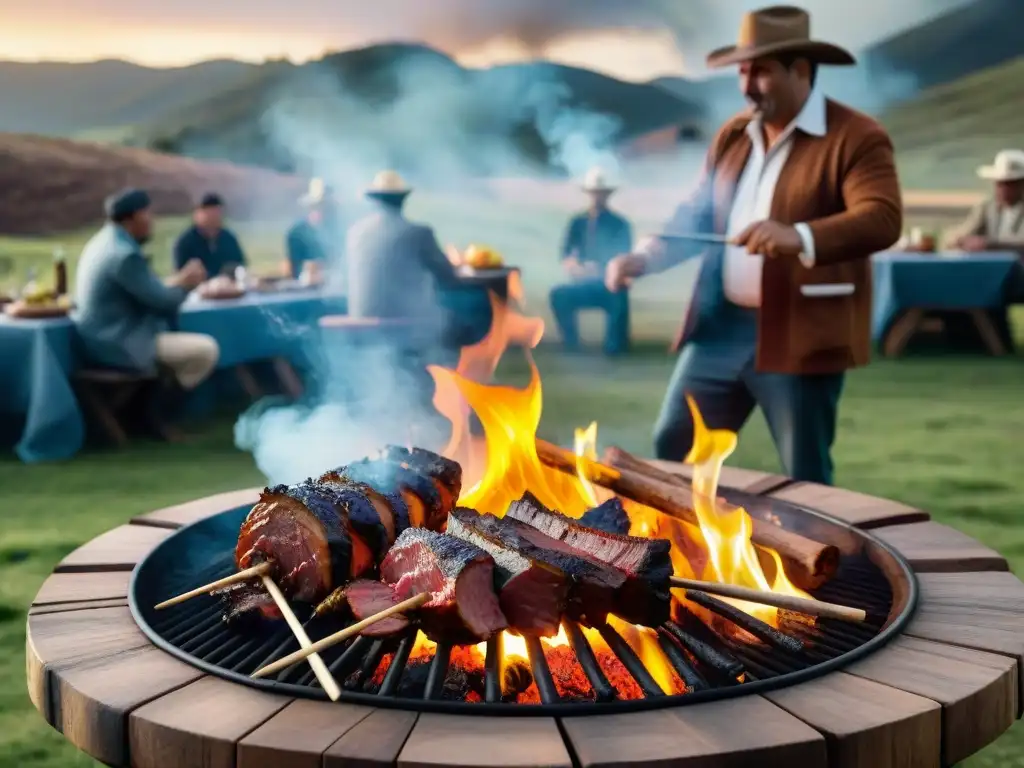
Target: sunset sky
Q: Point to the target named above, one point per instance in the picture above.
(634, 39)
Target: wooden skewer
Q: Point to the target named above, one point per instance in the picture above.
(323, 674)
(257, 571)
(790, 602)
(338, 637)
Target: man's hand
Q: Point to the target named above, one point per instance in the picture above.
(190, 275)
(622, 270)
(771, 239)
(973, 243)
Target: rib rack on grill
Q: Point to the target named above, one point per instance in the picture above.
(645, 598)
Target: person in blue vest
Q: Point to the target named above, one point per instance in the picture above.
(317, 236)
(208, 241)
(593, 239)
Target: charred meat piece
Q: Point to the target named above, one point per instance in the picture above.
(392, 511)
(366, 598)
(592, 584)
(446, 473)
(245, 603)
(645, 598)
(424, 501)
(298, 529)
(460, 577)
(609, 516)
(532, 588)
(355, 504)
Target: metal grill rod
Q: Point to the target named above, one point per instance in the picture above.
(691, 651)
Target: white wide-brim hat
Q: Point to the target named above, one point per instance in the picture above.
(316, 194)
(597, 180)
(1008, 166)
(388, 183)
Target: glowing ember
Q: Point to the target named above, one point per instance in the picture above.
(503, 465)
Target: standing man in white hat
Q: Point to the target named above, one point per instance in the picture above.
(997, 223)
(802, 190)
(592, 239)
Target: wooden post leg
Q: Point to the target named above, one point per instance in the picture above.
(103, 415)
(901, 332)
(290, 381)
(987, 331)
(248, 381)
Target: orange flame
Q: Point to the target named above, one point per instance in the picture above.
(503, 465)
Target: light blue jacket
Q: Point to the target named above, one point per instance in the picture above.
(395, 269)
(120, 302)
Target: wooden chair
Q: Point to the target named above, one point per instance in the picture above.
(104, 393)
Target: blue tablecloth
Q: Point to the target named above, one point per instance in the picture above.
(954, 281)
(38, 356)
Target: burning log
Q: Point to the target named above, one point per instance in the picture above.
(808, 563)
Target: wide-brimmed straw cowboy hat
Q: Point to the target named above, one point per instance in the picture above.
(597, 180)
(776, 30)
(1008, 166)
(317, 192)
(388, 183)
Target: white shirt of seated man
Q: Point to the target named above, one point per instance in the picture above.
(755, 190)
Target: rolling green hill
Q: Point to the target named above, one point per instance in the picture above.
(65, 99)
(943, 134)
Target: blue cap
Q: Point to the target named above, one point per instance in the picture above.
(125, 203)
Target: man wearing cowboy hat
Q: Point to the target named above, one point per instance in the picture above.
(803, 190)
(592, 239)
(395, 266)
(998, 222)
(315, 237)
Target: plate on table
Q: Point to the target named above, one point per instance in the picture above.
(31, 311)
(220, 289)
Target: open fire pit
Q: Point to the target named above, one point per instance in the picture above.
(619, 673)
(700, 655)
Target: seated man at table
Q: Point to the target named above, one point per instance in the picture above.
(208, 241)
(316, 236)
(997, 223)
(592, 239)
(123, 311)
(395, 267)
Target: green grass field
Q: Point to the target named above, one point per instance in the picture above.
(939, 433)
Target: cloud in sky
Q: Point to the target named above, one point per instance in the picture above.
(665, 35)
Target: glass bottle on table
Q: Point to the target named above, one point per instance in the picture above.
(60, 272)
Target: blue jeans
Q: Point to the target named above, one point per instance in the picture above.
(718, 372)
(567, 301)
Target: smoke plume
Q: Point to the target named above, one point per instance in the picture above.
(439, 129)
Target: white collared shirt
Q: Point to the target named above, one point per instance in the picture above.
(1010, 218)
(741, 271)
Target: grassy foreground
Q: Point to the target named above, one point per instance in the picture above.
(941, 434)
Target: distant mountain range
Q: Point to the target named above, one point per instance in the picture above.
(410, 105)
